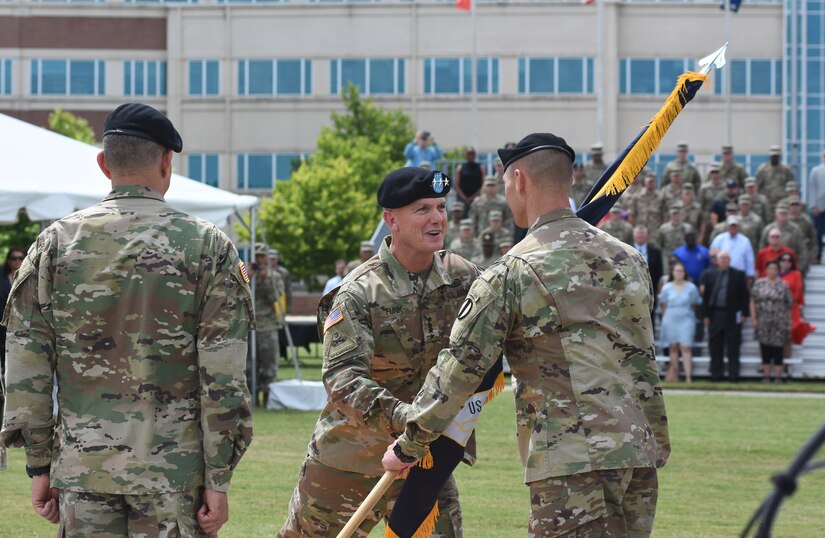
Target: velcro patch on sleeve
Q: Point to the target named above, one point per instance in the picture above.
(334, 317)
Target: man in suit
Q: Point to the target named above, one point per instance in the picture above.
(725, 303)
(654, 263)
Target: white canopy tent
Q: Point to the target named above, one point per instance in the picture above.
(50, 175)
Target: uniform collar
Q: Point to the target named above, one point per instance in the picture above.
(133, 191)
(556, 214)
(400, 280)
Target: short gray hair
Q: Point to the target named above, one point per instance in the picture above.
(126, 153)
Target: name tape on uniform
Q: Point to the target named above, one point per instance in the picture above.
(464, 423)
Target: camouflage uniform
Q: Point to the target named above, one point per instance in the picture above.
(619, 229)
(671, 194)
(453, 233)
(269, 319)
(480, 212)
(693, 215)
(467, 250)
(648, 210)
(287, 278)
(670, 237)
(750, 226)
(570, 308)
(689, 173)
(592, 173)
(771, 180)
(733, 170)
(142, 312)
(761, 206)
(810, 243)
(709, 192)
(502, 235)
(382, 335)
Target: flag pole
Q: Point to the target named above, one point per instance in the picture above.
(728, 82)
(377, 492)
(474, 75)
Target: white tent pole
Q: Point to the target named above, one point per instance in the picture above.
(253, 350)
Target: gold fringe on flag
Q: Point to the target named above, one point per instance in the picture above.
(424, 531)
(497, 387)
(637, 157)
(427, 461)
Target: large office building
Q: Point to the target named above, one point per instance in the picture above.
(250, 84)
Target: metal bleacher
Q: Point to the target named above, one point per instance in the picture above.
(808, 360)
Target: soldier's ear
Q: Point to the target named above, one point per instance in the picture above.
(104, 166)
(389, 219)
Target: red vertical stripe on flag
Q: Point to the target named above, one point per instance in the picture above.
(588, 1)
(465, 5)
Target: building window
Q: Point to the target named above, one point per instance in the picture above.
(68, 77)
(454, 76)
(275, 77)
(261, 170)
(751, 77)
(5, 76)
(204, 77)
(373, 76)
(144, 77)
(203, 167)
(555, 75)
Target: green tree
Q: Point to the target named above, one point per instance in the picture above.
(67, 124)
(328, 206)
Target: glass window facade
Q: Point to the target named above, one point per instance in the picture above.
(204, 77)
(5, 76)
(373, 76)
(262, 170)
(144, 77)
(68, 77)
(454, 76)
(203, 167)
(275, 77)
(555, 75)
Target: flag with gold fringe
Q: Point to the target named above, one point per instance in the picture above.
(624, 169)
(416, 507)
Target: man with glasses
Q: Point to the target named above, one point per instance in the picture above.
(774, 251)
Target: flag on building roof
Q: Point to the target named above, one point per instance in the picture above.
(464, 5)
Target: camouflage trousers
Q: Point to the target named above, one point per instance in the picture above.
(267, 356)
(104, 515)
(614, 503)
(325, 499)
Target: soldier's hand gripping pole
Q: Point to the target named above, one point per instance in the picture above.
(377, 492)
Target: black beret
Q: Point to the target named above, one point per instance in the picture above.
(535, 142)
(136, 119)
(406, 185)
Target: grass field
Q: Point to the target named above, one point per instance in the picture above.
(725, 448)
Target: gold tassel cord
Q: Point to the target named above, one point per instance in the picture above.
(424, 531)
(638, 156)
(497, 387)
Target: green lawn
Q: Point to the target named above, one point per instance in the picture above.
(725, 448)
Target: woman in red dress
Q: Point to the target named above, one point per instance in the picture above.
(793, 278)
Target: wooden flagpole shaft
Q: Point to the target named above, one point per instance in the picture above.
(377, 492)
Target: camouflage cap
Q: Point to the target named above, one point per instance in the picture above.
(794, 200)
(732, 220)
(494, 214)
(750, 180)
(596, 148)
(488, 239)
(714, 167)
(274, 253)
(491, 180)
(782, 206)
(732, 206)
(791, 186)
(466, 224)
(682, 146)
(727, 148)
(745, 199)
(775, 150)
(505, 243)
(688, 187)
(675, 207)
(367, 246)
(457, 206)
(675, 172)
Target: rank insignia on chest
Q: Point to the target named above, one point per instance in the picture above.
(334, 317)
(244, 274)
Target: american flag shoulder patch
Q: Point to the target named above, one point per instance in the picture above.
(334, 317)
(244, 274)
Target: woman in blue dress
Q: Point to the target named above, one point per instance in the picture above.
(679, 299)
